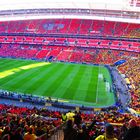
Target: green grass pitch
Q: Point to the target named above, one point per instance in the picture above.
(74, 83)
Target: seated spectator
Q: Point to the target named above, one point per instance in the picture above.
(133, 131)
(109, 133)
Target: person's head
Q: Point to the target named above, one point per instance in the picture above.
(26, 128)
(109, 130)
(69, 123)
(132, 123)
(19, 130)
(84, 126)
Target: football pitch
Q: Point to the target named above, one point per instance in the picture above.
(73, 83)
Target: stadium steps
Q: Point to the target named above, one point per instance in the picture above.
(48, 54)
(37, 54)
(59, 135)
(70, 55)
(56, 58)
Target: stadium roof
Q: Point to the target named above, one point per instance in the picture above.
(114, 10)
(85, 4)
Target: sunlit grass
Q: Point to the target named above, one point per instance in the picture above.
(18, 69)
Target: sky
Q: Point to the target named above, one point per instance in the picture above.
(28, 4)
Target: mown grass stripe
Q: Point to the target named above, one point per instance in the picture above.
(19, 75)
(82, 89)
(64, 81)
(59, 79)
(90, 97)
(49, 79)
(105, 97)
(11, 64)
(27, 81)
(20, 78)
(70, 92)
(36, 82)
(4, 61)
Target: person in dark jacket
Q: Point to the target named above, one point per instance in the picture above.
(83, 133)
(133, 132)
(69, 132)
(18, 134)
(77, 119)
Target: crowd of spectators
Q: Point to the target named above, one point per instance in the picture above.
(105, 125)
(131, 70)
(24, 124)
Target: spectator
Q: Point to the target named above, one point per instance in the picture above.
(18, 134)
(109, 133)
(133, 131)
(123, 131)
(64, 117)
(83, 133)
(69, 132)
(77, 119)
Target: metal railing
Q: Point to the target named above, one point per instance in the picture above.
(66, 11)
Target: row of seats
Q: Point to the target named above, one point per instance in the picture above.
(72, 26)
(120, 45)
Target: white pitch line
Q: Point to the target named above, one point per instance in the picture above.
(97, 86)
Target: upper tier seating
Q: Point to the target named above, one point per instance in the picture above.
(72, 26)
(92, 43)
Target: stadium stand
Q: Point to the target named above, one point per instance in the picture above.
(43, 121)
(71, 26)
(132, 79)
(77, 54)
(98, 42)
